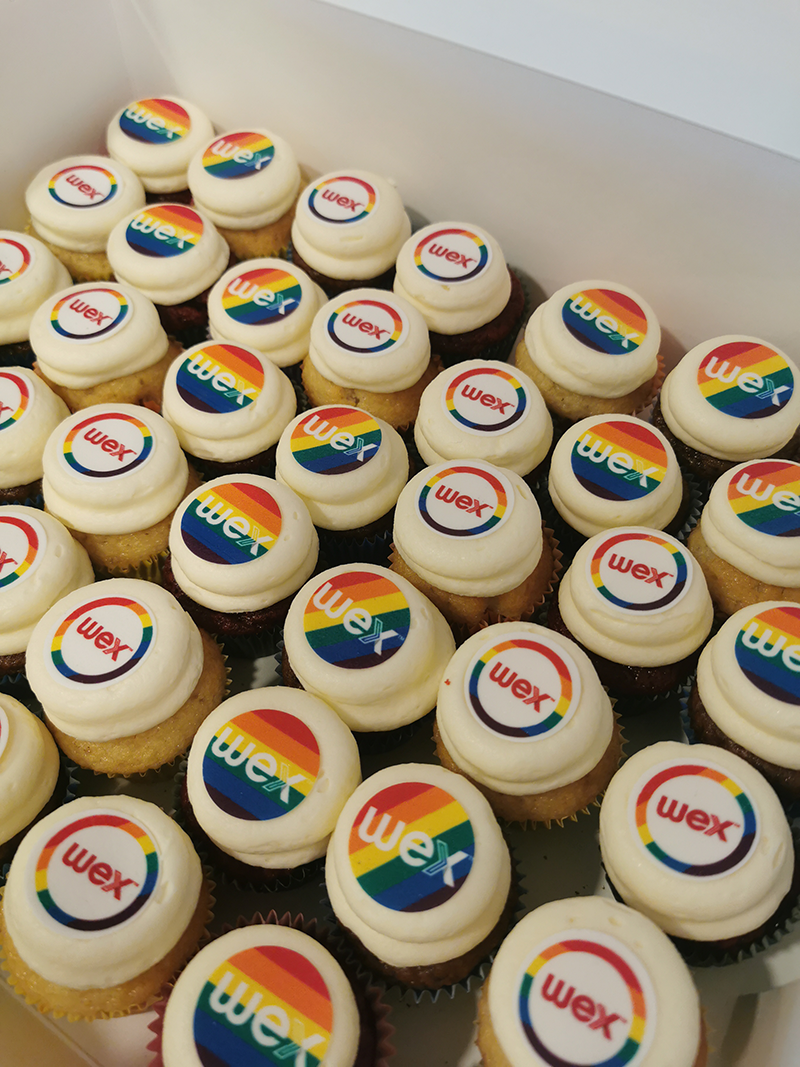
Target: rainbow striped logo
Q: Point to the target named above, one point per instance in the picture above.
(452, 255)
(83, 186)
(164, 231)
(641, 572)
(745, 380)
(765, 495)
(485, 400)
(100, 641)
(15, 258)
(262, 296)
(267, 1006)
(767, 649)
(335, 440)
(341, 200)
(693, 819)
(523, 687)
(585, 1000)
(411, 847)
(231, 523)
(155, 121)
(15, 398)
(95, 873)
(261, 765)
(357, 619)
(90, 315)
(367, 327)
(4, 731)
(619, 460)
(605, 321)
(466, 500)
(220, 379)
(236, 155)
(22, 545)
(108, 445)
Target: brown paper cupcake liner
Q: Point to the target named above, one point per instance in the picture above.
(655, 389)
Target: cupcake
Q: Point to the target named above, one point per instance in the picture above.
(456, 276)
(29, 412)
(485, 410)
(638, 604)
(748, 539)
(228, 406)
(101, 345)
(348, 469)
(371, 350)
(365, 641)
(156, 137)
(696, 839)
(586, 980)
(114, 474)
(592, 349)
(124, 676)
(40, 562)
(747, 692)
(415, 840)
(268, 305)
(29, 273)
(172, 254)
(470, 537)
(247, 182)
(105, 902)
(74, 205)
(240, 547)
(268, 773)
(617, 471)
(347, 230)
(729, 400)
(522, 714)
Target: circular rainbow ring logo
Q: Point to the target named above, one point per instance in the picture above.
(146, 446)
(679, 586)
(323, 191)
(73, 618)
(22, 400)
(430, 247)
(451, 399)
(66, 303)
(349, 315)
(501, 508)
(19, 252)
(31, 536)
(76, 171)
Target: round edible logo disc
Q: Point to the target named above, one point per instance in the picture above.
(262, 296)
(765, 495)
(367, 327)
(164, 231)
(15, 398)
(335, 440)
(640, 572)
(220, 379)
(100, 641)
(605, 320)
(155, 121)
(231, 523)
(767, 649)
(618, 460)
(342, 200)
(452, 255)
(745, 380)
(15, 258)
(90, 315)
(238, 155)
(108, 445)
(465, 500)
(23, 543)
(486, 401)
(83, 186)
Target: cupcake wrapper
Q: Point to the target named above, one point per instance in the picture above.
(644, 411)
(338, 549)
(148, 570)
(380, 741)
(251, 646)
(16, 685)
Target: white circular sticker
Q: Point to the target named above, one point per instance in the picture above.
(341, 200)
(83, 186)
(15, 259)
(485, 401)
(465, 500)
(641, 572)
(23, 542)
(452, 255)
(108, 445)
(100, 641)
(90, 314)
(15, 398)
(368, 327)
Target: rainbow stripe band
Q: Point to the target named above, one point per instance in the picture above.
(605, 320)
(262, 296)
(311, 441)
(766, 390)
(164, 231)
(767, 648)
(619, 460)
(198, 376)
(155, 121)
(753, 497)
(208, 533)
(237, 155)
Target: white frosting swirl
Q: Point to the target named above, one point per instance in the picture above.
(156, 681)
(266, 532)
(133, 482)
(356, 497)
(512, 765)
(402, 685)
(436, 933)
(160, 158)
(688, 410)
(28, 766)
(266, 304)
(299, 834)
(167, 278)
(578, 364)
(244, 424)
(350, 224)
(733, 902)
(649, 629)
(129, 336)
(463, 302)
(76, 202)
(58, 566)
(633, 458)
(245, 201)
(122, 951)
(486, 563)
(30, 414)
(29, 273)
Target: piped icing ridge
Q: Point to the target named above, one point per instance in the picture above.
(30, 412)
(595, 338)
(29, 273)
(76, 202)
(114, 659)
(455, 274)
(521, 709)
(636, 596)
(26, 746)
(94, 332)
